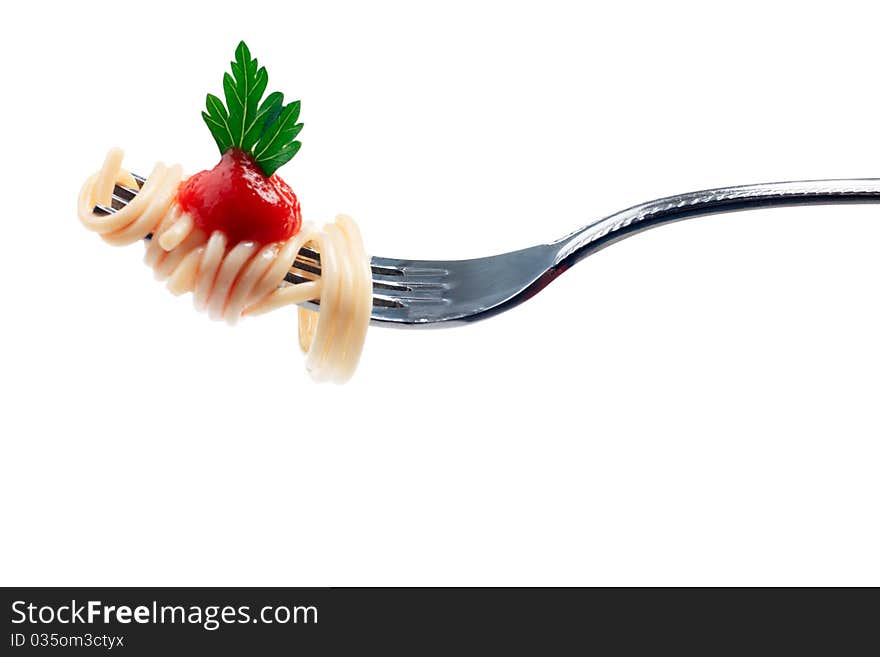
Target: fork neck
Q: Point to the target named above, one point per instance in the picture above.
(601, 233)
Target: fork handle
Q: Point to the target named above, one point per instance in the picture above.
(599, 234)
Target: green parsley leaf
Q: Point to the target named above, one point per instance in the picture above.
(276, 146)
(218, 122)
(265, 129)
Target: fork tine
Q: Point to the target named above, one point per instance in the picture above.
(126, 193)
(307, 259)
(380, 300)
(394, 284)
(310, 253)
(386, 266)
(306, 266)
(399, 286)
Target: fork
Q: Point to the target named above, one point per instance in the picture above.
(442, 293)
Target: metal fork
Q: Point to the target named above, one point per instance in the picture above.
(441, 293)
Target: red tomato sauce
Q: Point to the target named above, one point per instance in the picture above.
(237, 198)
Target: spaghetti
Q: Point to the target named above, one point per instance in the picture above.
(246, 278)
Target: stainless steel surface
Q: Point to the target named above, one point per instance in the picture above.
(440, 293)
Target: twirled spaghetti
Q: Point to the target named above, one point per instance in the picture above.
(231, 280)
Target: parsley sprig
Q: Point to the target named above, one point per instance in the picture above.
(267, 129)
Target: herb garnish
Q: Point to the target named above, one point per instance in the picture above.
(266, 130)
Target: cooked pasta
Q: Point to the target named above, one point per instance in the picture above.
(246, 278)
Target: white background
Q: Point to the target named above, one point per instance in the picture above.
(696, 405)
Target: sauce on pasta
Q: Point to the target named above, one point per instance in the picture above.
(236, 198)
